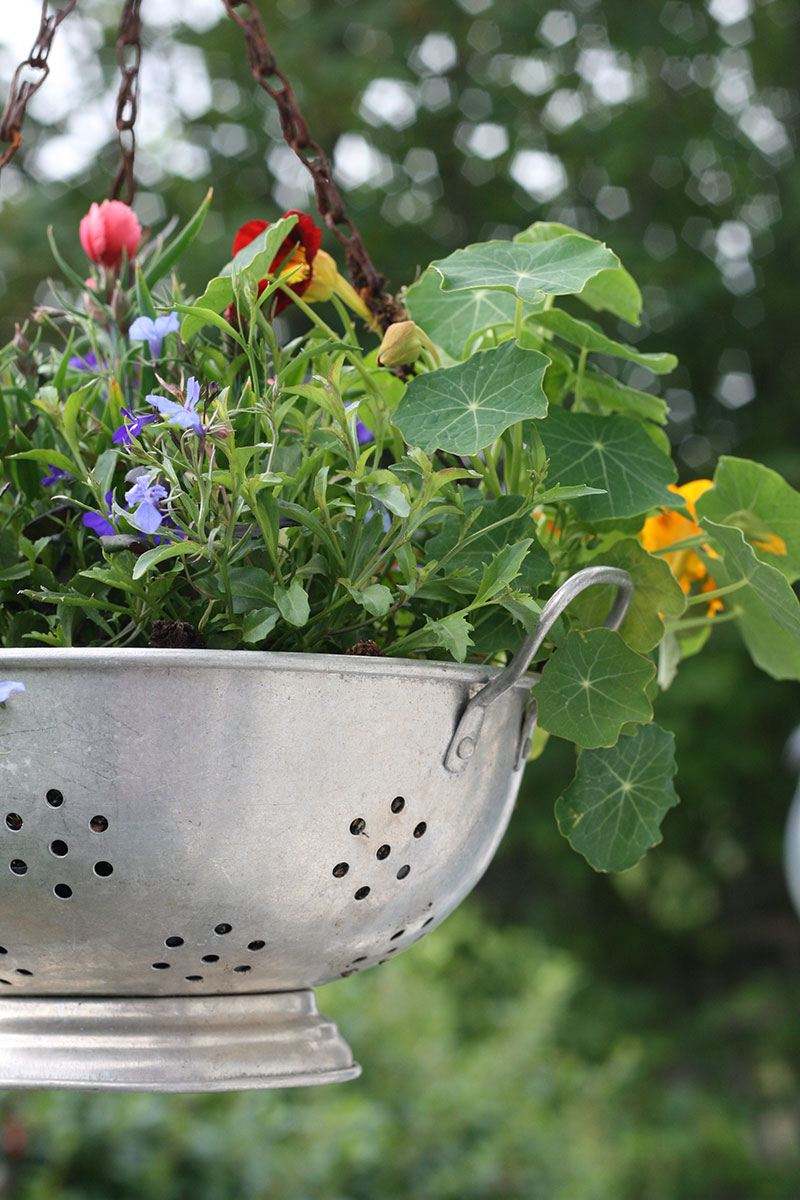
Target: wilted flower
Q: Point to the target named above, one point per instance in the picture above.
(181, 414)
(146, 329)
(147, 496)
(9, 686)
(107, 230)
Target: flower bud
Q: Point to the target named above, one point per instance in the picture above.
(402, 345)
(107, 230)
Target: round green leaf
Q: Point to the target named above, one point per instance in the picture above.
(760, 503)
(559, 267)
(450, 318)
(612, 811)
(465, 408)
(592, 686)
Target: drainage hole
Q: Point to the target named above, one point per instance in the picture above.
(160, 966)
(424, 923)
(54, 798)
(210, 958)
(340, 870)
(362, 893)
(393, 950)
(405, 870)
(398, 804)
(383, 852)
(358, 826)
(3, 950)
(98, 824)
(350, 971)
(420, 829)
(395, 936)
(103, 869)
(7, 982)
(14, 821)
(18, 866)
(173, 941)
(258, 944)
(241, 970)
(59, 848)
(194, 978)
(223, 927)
(23, 971)
(63, 891)
(363, 958)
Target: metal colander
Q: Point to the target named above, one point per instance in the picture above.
(192, 840)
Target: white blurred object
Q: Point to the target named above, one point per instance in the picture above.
(791, 843)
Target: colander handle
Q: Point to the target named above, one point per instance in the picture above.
(468, 730)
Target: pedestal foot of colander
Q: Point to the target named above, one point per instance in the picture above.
(170, 1044)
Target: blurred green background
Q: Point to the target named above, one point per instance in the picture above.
(564, 1035)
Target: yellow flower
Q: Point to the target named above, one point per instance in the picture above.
(670, 527)
(326, 282)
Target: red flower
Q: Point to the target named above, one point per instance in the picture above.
(296, 254)
(107, 230)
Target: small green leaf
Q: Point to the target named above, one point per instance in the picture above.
(613, 290)
(500, 571)
(392, 497)
(616, 397)
(376, 599)
(612, 811)
(464, 408)
(557, 268)
(614, 453)
(293, 604)
(197, 316)
(765, 606)
(258, 623)
(760, 503)
(494, 527)
(588, 337)
(52, 458)
(656, 593)
(256, 257)
(452, 633)
(179, 244)
(592, 686)
(151, 558)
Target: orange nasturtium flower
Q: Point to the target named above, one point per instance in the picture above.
(670, 527)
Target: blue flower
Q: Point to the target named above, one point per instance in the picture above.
(131, 427)
(100, 522)
(55, 474)
(363, 434)
(181, 414)
(9, 686)
(145, 329)
(147, 495)
(87, 363)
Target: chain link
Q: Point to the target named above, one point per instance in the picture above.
(129, 57)
(367, 281)
(21, 91)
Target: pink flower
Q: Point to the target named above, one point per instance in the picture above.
(107, 230)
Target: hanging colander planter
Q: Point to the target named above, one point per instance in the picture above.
(193, 840)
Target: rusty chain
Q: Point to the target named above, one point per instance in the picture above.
(367, 281)
(21, 90)
(129, 57)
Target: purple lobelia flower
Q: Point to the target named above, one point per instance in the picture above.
(363, 434)
(87, 363)
(181, 414)
(147, 496)
(146, 329)
(131, 427)
(55, 474)
(9, 686)
(100, 522)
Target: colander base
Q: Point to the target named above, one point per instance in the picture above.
(171, 1044)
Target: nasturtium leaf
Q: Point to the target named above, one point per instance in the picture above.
(485, 542)
(464, 408)
(612, 811)
(451, 633)
(617, 397)
(592, 686)
(588, 337)
(763, 505)
(766, 608)
(376, 598)
(613, 290)
(614, 453)
(556, 268)
(451, 318)
(293, 603)
(656, 593)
